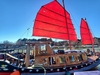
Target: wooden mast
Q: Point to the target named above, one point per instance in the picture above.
(67, 25)
(27, 57)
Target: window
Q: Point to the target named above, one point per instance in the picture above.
(52, 60)
(62, 59)
(80, 57)
(71, 58)
(42, 48)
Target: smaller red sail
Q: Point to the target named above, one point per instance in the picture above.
(86, 35)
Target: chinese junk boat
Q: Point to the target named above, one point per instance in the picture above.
(52, 21)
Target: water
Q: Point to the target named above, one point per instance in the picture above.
(98, 67)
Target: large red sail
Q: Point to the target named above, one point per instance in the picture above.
(51, 22)
(86, 35)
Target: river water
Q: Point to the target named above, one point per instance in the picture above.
(98, 67)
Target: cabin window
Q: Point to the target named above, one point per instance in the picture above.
(62, 59)
(42, 48)
(80, 57)
(71, 58)
(45, 60)
(52, 60)
(85, 56)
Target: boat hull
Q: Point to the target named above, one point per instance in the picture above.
(56, 73)
(7, 69)
(5, 73)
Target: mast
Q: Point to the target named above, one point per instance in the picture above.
(90, 36)
(67, 25)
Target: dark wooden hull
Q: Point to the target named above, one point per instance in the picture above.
(5, 73)
(6, 69)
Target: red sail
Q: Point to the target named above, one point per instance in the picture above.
(86, 35)
(51, 22)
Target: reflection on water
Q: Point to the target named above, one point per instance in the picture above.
(98, 67)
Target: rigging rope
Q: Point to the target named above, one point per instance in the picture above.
(27, 31)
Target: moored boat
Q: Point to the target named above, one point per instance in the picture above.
(52, 21)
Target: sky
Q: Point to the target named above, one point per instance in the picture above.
(17, 17)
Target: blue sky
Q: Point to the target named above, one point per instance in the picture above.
(18, 15)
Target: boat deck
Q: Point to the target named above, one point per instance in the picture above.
(92, 58)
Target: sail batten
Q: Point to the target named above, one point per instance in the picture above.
(55, 12)
(50, 17)
(54, 31)
(51, 22)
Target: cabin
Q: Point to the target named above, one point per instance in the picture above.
(46, 57)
